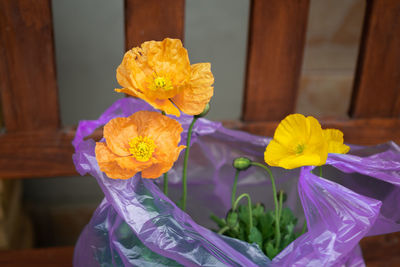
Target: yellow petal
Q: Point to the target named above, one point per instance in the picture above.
(292, 130)
(302, 160)
(197, 93)
(107, 163)
(298, 141)
(117, 133)
(335, 140)
(275, 152)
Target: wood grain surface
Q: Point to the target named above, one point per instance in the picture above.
(275, 51)
(377, 81)
(381, 250)
(28, 88)
(34, 154)
(56, 256)
(49, 153)
(378, 251)
(147, 20)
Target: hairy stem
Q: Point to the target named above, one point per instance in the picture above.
(277, 227)
(249, 207)
(185, 162)
(234, 188)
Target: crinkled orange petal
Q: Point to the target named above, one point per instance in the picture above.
(335, 140)
(107, 163)
(165, 132)
(197, 93)
(157, 170)
(168, 56)
(164, 105)
(117, 133)
(132, 164)
(166, 163)
(133, 70)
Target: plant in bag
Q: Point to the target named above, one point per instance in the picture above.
(298, 141)
(137, 224)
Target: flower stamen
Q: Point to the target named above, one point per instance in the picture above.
(299, 149)
(161, 82)
(142, 148)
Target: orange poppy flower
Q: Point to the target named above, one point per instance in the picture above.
(145, 142)
(160, 73)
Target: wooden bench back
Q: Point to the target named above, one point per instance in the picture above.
(35, 144)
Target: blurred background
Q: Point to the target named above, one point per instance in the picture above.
(89, 42)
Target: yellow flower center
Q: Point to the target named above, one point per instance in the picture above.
(299, 149)
(142, 148)
(161, 82)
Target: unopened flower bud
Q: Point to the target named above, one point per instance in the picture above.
(232, 219)
(205, 111)
(242, 163)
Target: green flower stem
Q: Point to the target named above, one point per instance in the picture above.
(304, 227)
(165, 174)
(280, 204)
(234, 188)
(249, 207)
(185, 162)
(320, 171)
(223, 230)
(277, 228)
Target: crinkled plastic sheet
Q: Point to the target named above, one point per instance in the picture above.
(137, 225)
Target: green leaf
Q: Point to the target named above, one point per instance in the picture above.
(287, 239)
(258, 210)
(242, 232)
(287, 217)
(290, 228)
(243, 212)
(255, 236)
(270, 250)
(265, 224)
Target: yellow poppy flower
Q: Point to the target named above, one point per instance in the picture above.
(160, 73)
(298, 141)
(145, 142)
(334, 138)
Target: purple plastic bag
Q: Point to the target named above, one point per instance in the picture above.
(137, 225)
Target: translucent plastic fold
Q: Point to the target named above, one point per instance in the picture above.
(137, 225)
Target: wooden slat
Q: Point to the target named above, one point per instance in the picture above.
(36, 154)
(358, 131)
(47, 154)
(381, 250)
(147, 20)
(376, 250)
(58, 256)
(275, 52)
(27, 70)
(377, 82)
